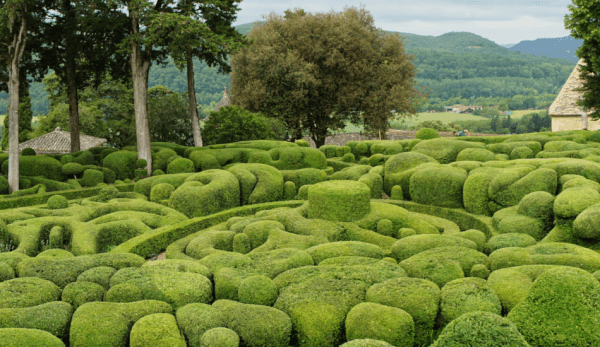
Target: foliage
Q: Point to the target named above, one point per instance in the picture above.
(168, 114)
(289, 72)
(233, 124)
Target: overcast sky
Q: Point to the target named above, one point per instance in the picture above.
(501, 21)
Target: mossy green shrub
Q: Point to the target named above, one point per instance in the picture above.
(366, 343)
(39, 165)
(475, 154)
(480, 271)
(161, 191)
(540, 206)
(377, 159)
(72, 169)
(444, 150)
(180, 165)
(3, 185)
(374, 182)
(122, 163)
(28, 151)
(467, 165)
(52, 317)
(55, 253)
(57, 202)
(221, 337)
(349, 158)
(108, 323)
(551, 315)
(196, 319)
(291, 158)
(439, 186)
(258, 183)
(585, 168)
(6, 272)
(413, 245)
(329, 150)
(521, 152)
(511, 185)
(443, 264)
(100, 275)
(160, 159)
(258, 290)
(399, 163)
(158, 329)
(375, 321)
(559, 146)
(91, 178)
(26, 292)
(17, 337)
(80, 292)
(289, 190)
(352, 173)
(466, 295)
(342, 201)
(386, 227)
(124, 292)
(508, 147)
(386, 147)
(427, 133)
(302, 143)
(37, 189)
(509, 240)
(158, 172)
(205, 193)
(585, 225)
(256, 325)
(141, 163)
(145, 185)
(64, 271)
(480, 328)
(418, 297)
(571, 202)
(344, 248)
(579, 182)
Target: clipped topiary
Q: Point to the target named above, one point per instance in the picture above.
(159, 329)
(220, 337)
(161, 191)
(141, 163)
(19, 337)
(468, 295)
(28, 151)
(78, 293)
(72, 169)
(108, 193)
(380, 322)
(57, 202)
(3, 185)
(258, 290)
(343, 201)
(91, 177)
(426, 134)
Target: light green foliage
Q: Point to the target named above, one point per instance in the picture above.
(124, 292)
(408, 246)
(160, 159)
(386, 147)
(386, 227)
(258, 290)
(158, 329)
(344, 248)
(122, 163)
(374, 182)
(220, 337)
(180, 165)
(366, 343)
(108, 324)
(161, 191)
(439, 186)
(26, 292)
(475, 191)
(444, 150)
(91, 177)
(196, 319)
(379, 322)
(215, 190)
(302, 143)
(475, 154)
(551, 315)
(521, 152)
(353, 173)
(6, 272)
(397, 165)
(480, 271)
(586, 223)
(80, 292)
(349, 158)
(17, 337)
(511, 185)
(258, 183)
(100, 275)
(509, 240)
(418, 297)
(483, 329)
(57, 202)
(342, 201)
(291, 158)
(573, 201)
(406, 232)
(289, 190)
(468, 295)
(540, 206)
(426, 134)
(53, 317)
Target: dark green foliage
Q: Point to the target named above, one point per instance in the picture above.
(80, 292)
(72, 169)
(180, 165)
(122, 163)
(39, 165)
(233, 124)
(109, 175)
(141, 163)
(57, 202)
(160, 159)
(439, 186)
(91, 177)
(3, 185)
(28, 151)
(83, 157)
(466, 295)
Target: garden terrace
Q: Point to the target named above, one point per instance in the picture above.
(432, 241)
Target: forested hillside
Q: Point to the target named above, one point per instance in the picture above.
(455, 67)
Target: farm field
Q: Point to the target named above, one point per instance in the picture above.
(481, 241)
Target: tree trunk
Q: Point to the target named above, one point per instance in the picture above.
(71, 81)
(192, 99)
(140, 69)
(15, 52)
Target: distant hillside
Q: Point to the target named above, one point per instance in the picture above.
(508, 45)
(559, 48)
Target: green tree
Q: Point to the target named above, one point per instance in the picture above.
(317, 72)
(169, 117)
(584, 24)
(233, 123)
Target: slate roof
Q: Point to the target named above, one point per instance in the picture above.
(564, 104)
(223, 102)
(59, 142)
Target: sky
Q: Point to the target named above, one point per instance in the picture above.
(501, 21)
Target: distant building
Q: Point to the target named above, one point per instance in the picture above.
(462, 109)
(565, 113)
(447, 108)
(59, 142)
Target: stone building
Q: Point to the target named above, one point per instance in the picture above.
(59, 142)
(565, 113)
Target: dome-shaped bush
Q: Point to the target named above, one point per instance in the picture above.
(57, 202)
(28, 151)
(426, 134)
(180, 165)
(72, 169)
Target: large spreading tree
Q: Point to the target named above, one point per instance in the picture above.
(317, 72)
(584, 23)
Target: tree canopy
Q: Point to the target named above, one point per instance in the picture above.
(318, 71)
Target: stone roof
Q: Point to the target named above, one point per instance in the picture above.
(564, 104)
(223, 102)
(59, 142)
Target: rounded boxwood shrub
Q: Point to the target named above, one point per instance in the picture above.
(57, 202)
(476, 154)
(348, 158)
(6, 272)
(366, 343)
(343, 201)
(161, 191)
(19, 337)
(379, 322)
(180, 165)
(406, 232)
(480, 271)
(91, 177)
(220, 337)
(124, 292)
(122, 163)
(468, 295)
(109, 175)
(426, 134)
(397, 193)
(108, 193)
(483, 329)
(158, 172)
(3, 185)
(258, 290)
(509, 240)
(595, 136)
(386, 228)
(439, 186)
(27, 291)
(28, 151)
(302, 143)
(159, 329)
(100, 275)
(80, 292)
(522, 152)
(586, 224)
(72, 169)
(141, 163)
